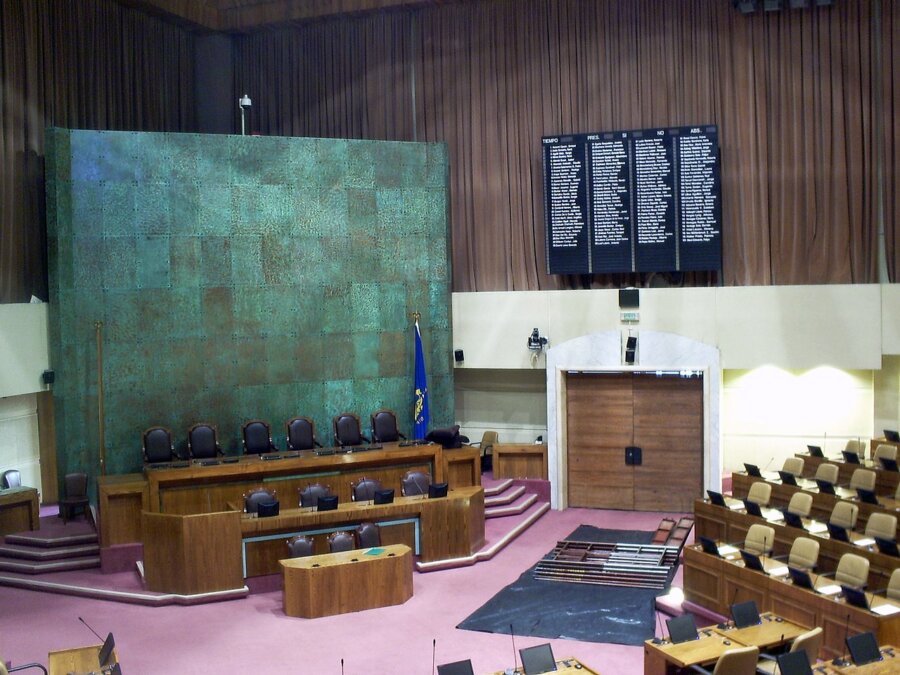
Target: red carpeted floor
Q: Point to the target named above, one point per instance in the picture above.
(254, 635)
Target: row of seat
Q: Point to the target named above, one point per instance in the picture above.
(365, 535)
(256, 436)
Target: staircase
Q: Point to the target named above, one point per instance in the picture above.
(51, 549)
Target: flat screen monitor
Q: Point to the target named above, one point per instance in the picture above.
(327, 503)
(855, 596)
(437, 490)
(716, 497)
(753, 470)
(863, 648)
(385, 496)
(752, 561)
(837, 532)
(745, 614)
(787, 478)
(866, 496)
(892, 435)
(709, 546)
(682, 628)
(106, 651)
(792, 519)
(889, 464)
(801, 578)
(538, 659)
(752, 508)
(267, 509)
(457, 668)
(794, 663)
(825, 487)
(850, 457)
(887, 546)
(815, 451)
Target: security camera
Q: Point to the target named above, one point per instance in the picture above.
(536, 342)
(244, 101)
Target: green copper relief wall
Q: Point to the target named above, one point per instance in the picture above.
(240, 278)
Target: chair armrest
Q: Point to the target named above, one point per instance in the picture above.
(219, 449)
(779, 557)
(365, 438)
(701, 669)
(401, 436)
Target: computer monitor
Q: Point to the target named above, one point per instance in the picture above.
(716, 498)
(837, 532)
(863, 648)
(106, 651)
(709, 546)
(794, 663)
(801, 578)
(437, 490)
(815, 451)
(892, 435)
(753, 470)
(889, 464)
(792, 519)
(538, 659)
(825, 487)
(267, 509)
(752, 561)
(327, 503)
(855, 596)
(682, 628)
(385, 496)
(850, 457)
(887, 546)
(866, 496)
(456, 668)
(787, 478)
(752, 508)
(745, 614)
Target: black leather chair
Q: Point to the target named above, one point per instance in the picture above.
(300, 546)
(202, 442)
(158, 445)
(347, 430)
(384, 427)
(415, 484)
(368, 535)
(11, 478)
(341, 541)
(301, 434)
(75, 495)
(364, 489)
(254, 498)
(309, 496)
(257, 438)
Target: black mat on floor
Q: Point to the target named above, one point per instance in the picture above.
(556, 609)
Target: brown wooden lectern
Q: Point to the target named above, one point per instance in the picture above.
(192, 554)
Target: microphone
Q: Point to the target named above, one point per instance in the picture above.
(433, 653)
(91, 629)
(769, 463)
(515, 660)
(840, 660)
(342, 666)
(733, 599)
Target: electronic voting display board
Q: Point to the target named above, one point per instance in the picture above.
(633, 201)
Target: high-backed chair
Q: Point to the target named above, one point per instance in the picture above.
(862, 479)
(415, 483)
(844, 514)
(857, 446)
(893, 588)
(801, 504)
(341, 541)
(809, 642)
(75, 495)
(368, 535)
(309, 496)
(363, 490)
(347, 430)
(897, 493)
(256, 436)
(301, 434)
(254, 498)
(158, 445)
(793, 465)
(735, 661)
(852, 570)
(384, 427)
(883, 525)
(300, 546)
(202, 441)
(760, 539)
(884, 451)
(827, 472)
(760, 493)
(11, 478)
(488, 440)
(804, 553)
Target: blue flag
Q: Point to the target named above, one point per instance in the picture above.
(420, 398)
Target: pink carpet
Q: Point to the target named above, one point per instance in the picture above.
(254, 635)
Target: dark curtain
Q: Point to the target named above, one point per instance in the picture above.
(89, 64)
(889, 38)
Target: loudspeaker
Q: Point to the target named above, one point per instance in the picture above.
(48, 377)
(458, 356)
(629, 298)
(630, 349)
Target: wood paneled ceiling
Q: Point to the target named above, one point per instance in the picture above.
(246, 15)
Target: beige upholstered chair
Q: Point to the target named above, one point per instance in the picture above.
(893, 589)
(827, 472)
(810, 642)
(760, 493)
(882, 525)
(862, 479)
(844, 514)
(760, 539)
(736, 661)
(804, 553)
(856, 445)
(793, 465)
(852, 570)
(801, 504)
(886, 451)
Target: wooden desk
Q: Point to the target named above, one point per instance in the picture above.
(350, 581)
(523, 460)
(436, 529)
(567, 666)
(462, 466)
(714, 582)
(19, 510)
(76, 660)
(885, 481)
(120, 500)
(890, 665)
(724, 524)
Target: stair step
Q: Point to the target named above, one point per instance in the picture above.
(498, 488)
(42, 567)
(508, 497)
(511, 510)
(35, 540)
(48, 553)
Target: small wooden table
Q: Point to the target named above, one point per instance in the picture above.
(350, 581)
(19, 510)
(76, 660)
(520, 460)
(889, 664)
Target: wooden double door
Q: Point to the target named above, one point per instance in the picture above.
(635, 440)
